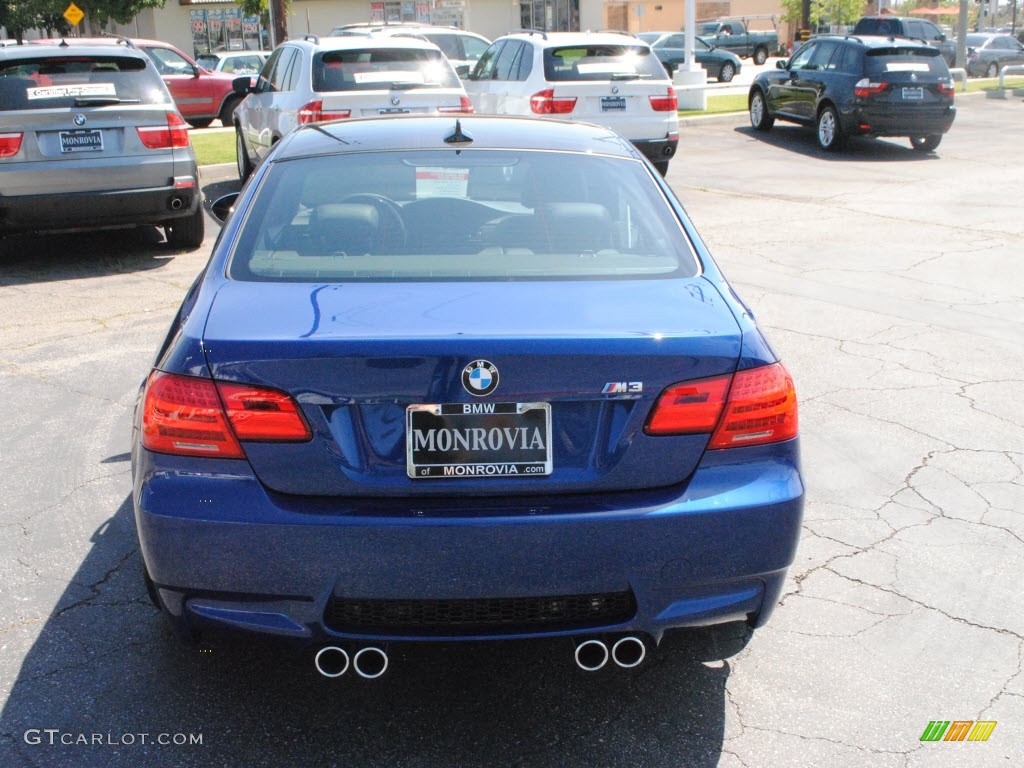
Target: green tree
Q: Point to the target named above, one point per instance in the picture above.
(824, 11)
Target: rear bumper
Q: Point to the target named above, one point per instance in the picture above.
(899, 123)
(657, 150)
(225, 552)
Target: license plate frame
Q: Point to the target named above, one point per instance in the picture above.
(913, 93)
(393, 111)
(613, 103)
(470, 440)
(68, 146)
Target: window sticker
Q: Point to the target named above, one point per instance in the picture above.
(442, 182)
(66, 91)
(388, 76)
(905, 66)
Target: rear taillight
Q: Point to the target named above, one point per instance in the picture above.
(947, 89)
(667, 103)
(545, 103)
(865, 87)
(192, 416)
(751, 407)
(313, 112)
(10, 144)
(465, 107)
(174, 134)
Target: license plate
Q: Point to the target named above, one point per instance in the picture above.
(491, 440)
(393, 111)
(81, 141)
(913, 94)
(613, 104)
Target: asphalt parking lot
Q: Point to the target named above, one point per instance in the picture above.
(890, 283)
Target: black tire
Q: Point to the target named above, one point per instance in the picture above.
(195, 122)
(992, 70)
(661, 166)
(227, 112)
(242, 160)
(760, 55)
(926, 143)
(831, 136)
(188, 231)
(759, 117)
(726, 73)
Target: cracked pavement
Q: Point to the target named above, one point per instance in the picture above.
(890, 283)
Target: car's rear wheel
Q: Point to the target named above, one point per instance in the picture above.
(760, 56)
(196, 122)
(992, 70)
(242, 156)
(228, 110)
(726, 73)
(188, 231)
(759, 117)
(926, 143)
(830, 131)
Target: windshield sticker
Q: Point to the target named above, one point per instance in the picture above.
(66, 91)
(905, 66)
(388, 76)
(619, 65)
(442, 182)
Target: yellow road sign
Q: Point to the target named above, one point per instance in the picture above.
(74, 14)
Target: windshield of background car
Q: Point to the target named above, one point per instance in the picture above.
(917, 59)
(977, 41)
(376, 68)
(455, 46)
(78, 81)
(459, 215)
(601, 62)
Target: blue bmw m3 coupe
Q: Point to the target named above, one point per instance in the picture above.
(464, 380)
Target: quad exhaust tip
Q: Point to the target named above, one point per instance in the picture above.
(369, 663)
(627, 652)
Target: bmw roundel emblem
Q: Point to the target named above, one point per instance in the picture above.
(615, 89)
(480, 378)
(79, 119)
(395, 101)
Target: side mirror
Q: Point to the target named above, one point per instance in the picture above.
(223, 206)
(242, 85)
(941, 38)
(462, 70)
(782, 64)
(195, 71)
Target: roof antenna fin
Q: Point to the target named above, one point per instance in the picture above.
(458, 137)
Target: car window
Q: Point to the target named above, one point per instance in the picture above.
(169, 62)
(677, 41)
(70, 81)
(523, 65)
(466, 215)
(503, 66)
(915, 29)
(367, 69)
(241, 65)
(898, 58)
(931, 32)
(803, 56)
(279, 75)
(290, 80)
(872, 26)
(700, 45)
(485, 66)
(848, 61)
(822, 55)
(601, 62)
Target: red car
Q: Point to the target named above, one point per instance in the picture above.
(200, 95)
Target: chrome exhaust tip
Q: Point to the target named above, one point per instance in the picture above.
(629, 652)
(591, 655)
(370, 663)
(331, 661)
(177, 203)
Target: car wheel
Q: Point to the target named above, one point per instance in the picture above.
(760, 56)
(926, 143)
(661, 166)
(242, 156)
(830, 130)
(227, 112)
(188, 231)
(759, 117)
(726, 73)
(197, 123)
(992, 70)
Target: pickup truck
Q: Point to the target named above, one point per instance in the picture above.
(898, 26)
(734, 36)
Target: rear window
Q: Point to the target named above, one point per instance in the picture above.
(601, 62)
(376, 69)
(918, 59)
(78, 81)
(462, 214)
(883, 27)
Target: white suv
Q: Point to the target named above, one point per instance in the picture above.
(312, 80)
(610, 79)
(462, 48)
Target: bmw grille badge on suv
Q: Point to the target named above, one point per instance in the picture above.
(480, 378)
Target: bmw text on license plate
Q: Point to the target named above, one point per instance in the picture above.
(478, 440)
(613, 104)
(913, 94)
(81, 141)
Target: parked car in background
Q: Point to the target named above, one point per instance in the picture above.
(462, 48)
(501, 391)
(670, 48)
(732, 35)
(859, 85)
(610, 79)
(234, 62)
(916, 28)
(987, 53)
(313, 80)
(90, 139)
(202, 96)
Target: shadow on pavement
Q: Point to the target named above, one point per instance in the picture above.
(803, 140)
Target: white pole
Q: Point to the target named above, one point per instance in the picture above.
(691, 23)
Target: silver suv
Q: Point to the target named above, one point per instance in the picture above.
(313, 80)
(90, 139)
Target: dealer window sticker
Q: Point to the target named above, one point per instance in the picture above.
(906, 66)
(442, 182)
(67, 91)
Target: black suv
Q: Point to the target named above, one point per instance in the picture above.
(916, 29)
(869, 86)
